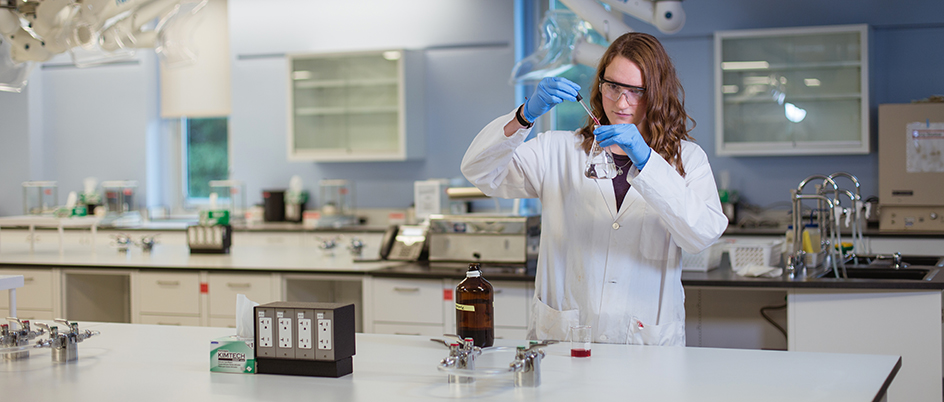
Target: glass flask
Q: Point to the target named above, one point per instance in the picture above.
(600, 164)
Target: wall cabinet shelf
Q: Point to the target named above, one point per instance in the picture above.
(364, 106)
(795, 91)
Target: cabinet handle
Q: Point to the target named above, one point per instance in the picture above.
(177, 324)
(400, 289)
(239, 285)
(168, 283)
(406, 333)
(497, 291)
(29, 279)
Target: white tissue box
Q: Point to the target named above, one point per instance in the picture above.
(229, 354)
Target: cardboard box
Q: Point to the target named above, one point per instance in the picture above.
(229, 354)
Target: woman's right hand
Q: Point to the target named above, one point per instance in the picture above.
(550, 91)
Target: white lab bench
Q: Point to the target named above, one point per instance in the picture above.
(160, 363)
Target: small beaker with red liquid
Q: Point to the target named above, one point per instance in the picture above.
(580, 339)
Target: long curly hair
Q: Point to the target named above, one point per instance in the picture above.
(665, 123)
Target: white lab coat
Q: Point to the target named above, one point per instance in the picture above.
(624, 282)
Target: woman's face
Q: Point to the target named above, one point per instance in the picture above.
(620, 78)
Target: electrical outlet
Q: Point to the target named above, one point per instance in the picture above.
(324, 334)
(304, 333)
(265, 332)
(285, 333)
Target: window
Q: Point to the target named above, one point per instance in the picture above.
(204, 155)
(570, 115)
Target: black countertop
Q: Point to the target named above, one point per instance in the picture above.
(723, 276)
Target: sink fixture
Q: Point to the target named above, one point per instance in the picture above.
(912, 273)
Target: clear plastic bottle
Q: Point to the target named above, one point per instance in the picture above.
(475, 308)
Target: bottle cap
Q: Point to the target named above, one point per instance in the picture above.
(475, 270)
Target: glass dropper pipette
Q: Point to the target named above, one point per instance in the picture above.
(580, 101)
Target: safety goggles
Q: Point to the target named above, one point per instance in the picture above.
(613, 90)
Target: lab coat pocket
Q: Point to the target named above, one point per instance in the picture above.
(549, 323)
(654, 239)
(668, 334)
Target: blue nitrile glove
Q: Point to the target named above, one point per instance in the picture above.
(550, 91)
(628, 138)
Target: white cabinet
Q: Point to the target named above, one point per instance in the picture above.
(170, 293)
(223, 288)
(364, 106)
(415, 301)
(902, 323)
(512, 308)
(795, 91)
(35, 300)
(427, 306)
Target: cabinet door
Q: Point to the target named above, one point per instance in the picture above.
(169, 293)
(223, 288)
(363, 106)
(408, 301)
(36, 293)
(798, 91)
(511, 303)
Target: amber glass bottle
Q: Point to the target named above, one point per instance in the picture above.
(475, 303)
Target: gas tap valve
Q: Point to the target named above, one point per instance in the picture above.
(461, 356)
(327, 245)
(356, 247)
(18, 338)
(64, 345)
(527, 364)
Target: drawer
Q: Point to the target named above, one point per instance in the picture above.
(223, 289)
(168, 292)
(511, 303)
(170, 320)
(36, 293)
(408, 329)
(32, 315)
(228, 322)
(408, 300)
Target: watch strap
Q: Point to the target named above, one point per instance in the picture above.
(521, 120)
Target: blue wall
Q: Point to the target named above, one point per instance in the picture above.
(72, 123)
(904, 66)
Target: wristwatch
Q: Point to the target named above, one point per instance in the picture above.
(521, 120)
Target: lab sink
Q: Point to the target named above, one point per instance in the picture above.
(912, 273)
(907, 260)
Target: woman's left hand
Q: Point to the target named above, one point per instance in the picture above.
(628, 138)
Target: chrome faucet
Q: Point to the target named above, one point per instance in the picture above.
(895, 258)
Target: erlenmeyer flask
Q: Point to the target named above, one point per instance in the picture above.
(600, 164)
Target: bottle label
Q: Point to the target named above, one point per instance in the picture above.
(464, 307)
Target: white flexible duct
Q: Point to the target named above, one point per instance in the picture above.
(609, 25)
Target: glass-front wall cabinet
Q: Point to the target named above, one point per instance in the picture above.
(355, 106)
(797, 91)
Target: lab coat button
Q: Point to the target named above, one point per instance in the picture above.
(615, 225)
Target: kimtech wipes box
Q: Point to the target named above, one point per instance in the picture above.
(231, 355)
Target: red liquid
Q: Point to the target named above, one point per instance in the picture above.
(580, 353)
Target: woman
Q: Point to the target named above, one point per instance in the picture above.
(609, 254)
